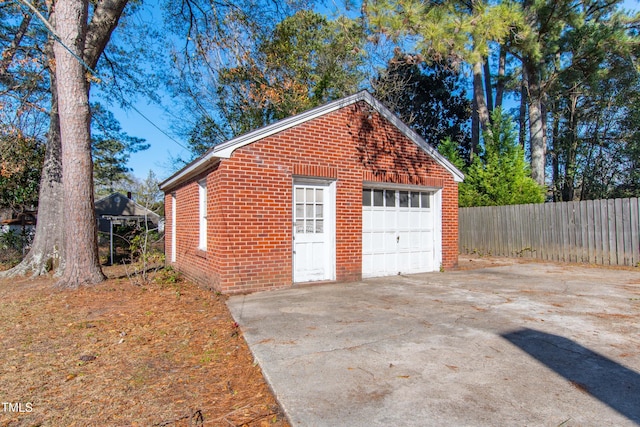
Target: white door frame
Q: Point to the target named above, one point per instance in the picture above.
(328, 235)
(173, 227)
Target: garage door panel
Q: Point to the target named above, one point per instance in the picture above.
(416, 219)
(382, 263)
(379, 220)
(426, 237)
(367, 244)
(403, 240)
(415, 261)
(390, 264)
(416, 240)
(402, 222)
(389, 241)
(367, 220)
(367, 263)
(377, 242)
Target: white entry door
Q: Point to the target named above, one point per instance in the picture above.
(399, 234)
(313, 232)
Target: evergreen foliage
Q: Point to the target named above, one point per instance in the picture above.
(111, 148)
(499, 174)
(20, 166)
(429, 98)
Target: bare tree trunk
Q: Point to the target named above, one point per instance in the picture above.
(555, 161)
(478, 95)
(487, 87)
(104, 20)
(536, 140)
(569, 181)
(82, 266)
(475, 130)
(502, 64)
(47, 251)
(536, 125)
(522, 119)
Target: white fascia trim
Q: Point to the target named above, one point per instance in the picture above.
(190, 170)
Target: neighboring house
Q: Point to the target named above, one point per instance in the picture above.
(23, 224)
(337, 193)
(117, 209)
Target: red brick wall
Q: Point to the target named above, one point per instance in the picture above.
(197, 265)
(250, 199)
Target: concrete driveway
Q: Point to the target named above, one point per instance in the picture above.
(515, 345)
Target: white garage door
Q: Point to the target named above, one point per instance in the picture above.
(399, 233)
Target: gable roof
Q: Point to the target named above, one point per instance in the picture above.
(226, 149)
(116, 204)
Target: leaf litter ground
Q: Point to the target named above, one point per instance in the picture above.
(117, 354)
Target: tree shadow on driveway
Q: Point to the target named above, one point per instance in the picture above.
(593, 373)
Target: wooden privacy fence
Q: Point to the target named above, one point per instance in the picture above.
(603, 232)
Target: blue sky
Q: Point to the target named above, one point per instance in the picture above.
(163, 148)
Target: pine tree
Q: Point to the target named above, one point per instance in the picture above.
(499, 175)
(453, 31)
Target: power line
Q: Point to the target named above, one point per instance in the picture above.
(57, 38)
(154, 125)
(53, 33)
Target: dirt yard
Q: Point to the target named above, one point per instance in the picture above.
(120, 354)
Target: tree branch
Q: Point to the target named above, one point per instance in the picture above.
(9, 53)
(104, 20)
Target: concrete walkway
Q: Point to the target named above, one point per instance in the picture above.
(518, 345)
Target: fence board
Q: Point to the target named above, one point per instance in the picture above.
(619, 230)
(552, 235)
(626, 230)
(553, 246)
(587, 232)
(635, 226)
(571, 232)
(596, 231)
(604, 215)
(591, 249)
(613, 250)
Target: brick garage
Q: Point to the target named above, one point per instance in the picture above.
(337, 193)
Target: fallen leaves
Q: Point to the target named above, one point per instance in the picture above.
(119, 354)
